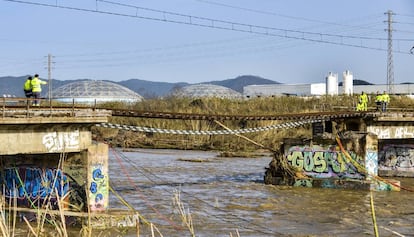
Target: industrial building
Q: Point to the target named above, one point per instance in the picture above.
(94, 91)
(330, 87)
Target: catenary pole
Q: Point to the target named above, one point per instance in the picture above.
(390, 63)
(49, 75)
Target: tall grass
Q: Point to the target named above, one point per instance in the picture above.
(212, 106)
(217, 106)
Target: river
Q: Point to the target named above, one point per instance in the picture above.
(227, 197)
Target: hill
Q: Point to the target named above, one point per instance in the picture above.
(357, 82)
(148, 89)
(151, 89)
(239, 82)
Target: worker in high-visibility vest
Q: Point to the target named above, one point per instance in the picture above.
(362, 102)
(378, 101)
(37, 89)
(385, 101)
(27, 88)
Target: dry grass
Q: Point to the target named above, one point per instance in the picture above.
(256, 106)
(184, 213)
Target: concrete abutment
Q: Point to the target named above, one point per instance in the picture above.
(43, 159)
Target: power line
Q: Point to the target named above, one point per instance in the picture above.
(249, 27)
(224, 25)
(404, 23)
(406, 15)
(281, 15)
(155, 179)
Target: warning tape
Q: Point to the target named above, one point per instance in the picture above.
(287, 125)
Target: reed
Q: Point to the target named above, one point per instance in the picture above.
(211, 106)
(184, 213)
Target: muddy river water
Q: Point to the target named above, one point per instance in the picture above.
(227, 197)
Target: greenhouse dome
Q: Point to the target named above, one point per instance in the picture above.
(207, 90)
(94, 91)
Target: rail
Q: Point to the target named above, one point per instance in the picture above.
(22, 107)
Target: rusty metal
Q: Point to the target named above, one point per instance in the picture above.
(14, 105)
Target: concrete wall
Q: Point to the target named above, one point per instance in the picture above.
(396, 148)
(350, 163)
(392, 131)
(43, 158)
(98, 180)
(43, 139)
(326, 160)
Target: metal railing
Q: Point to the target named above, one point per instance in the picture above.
(17, 106)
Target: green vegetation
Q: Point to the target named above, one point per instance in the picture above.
(215, 106)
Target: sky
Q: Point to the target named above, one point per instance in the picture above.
(196, 41)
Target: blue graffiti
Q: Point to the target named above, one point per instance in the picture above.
(34, 183)
(97, 174)
(94, 187)
(98, 197)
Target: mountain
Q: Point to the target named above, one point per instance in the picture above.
(357, 82)
(151, 89)
(239, 82)
(10, 86)
(13, 86)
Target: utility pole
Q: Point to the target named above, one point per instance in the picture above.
(49, 74)
(390, 63)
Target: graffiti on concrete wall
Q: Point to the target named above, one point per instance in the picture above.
(392, 132)
(61, 141)
(371, 162)
(397, 157)
(28, 184)
(320, 162)
(98, 188)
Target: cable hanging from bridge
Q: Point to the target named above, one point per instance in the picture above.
(287, 125)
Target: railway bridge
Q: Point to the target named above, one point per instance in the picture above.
(41, 144)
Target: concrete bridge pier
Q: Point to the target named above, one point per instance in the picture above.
(370, 148)
(46, 158)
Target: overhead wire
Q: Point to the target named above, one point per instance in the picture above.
(288, 16)
(221, 24)
(123, 169)
(231, 40)
(358, 41)
(153, 178)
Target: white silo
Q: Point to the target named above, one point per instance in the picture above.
(348, 83)
(332, 84)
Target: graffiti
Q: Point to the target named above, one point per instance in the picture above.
(56, 142)
(371, 162)
(392, 132)
(97, 188)
(382, 133)
(303, 183)
(28, 184)
(397, 157)
(323, 163)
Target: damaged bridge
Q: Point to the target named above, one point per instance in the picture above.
(356, 151)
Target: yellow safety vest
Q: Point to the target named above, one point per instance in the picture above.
(36, 84)
(386, 98)
(364, 98)
(27, 85)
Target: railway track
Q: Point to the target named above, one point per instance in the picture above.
(222, 117)
(9, 110)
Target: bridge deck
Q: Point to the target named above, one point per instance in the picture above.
(20, 109)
